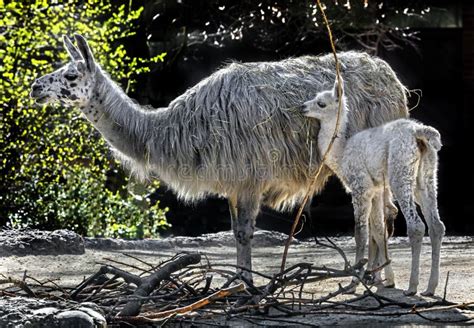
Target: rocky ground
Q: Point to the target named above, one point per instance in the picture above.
(70, 269)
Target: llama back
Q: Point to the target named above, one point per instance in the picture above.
(403, 128)
(243, 118)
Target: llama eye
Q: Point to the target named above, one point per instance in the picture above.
(321, 104)
(70, 77)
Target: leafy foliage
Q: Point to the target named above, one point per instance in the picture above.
(54, 167)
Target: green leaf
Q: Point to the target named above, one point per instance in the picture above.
(54, 167)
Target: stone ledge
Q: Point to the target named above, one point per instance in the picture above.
(38, 242)
(32, 313)
(262, 238)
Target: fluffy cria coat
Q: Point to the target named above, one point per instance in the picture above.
(401, 155)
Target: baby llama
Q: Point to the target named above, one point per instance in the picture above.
(402, 155)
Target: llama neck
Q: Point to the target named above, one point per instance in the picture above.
(123, 124)
(324, 139)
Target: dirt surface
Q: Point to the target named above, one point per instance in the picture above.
(457, 257)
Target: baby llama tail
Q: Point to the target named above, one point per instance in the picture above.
(430, 136)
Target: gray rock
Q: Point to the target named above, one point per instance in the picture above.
(24, 312)
(74, 319)
(37, 242)
(262, 238)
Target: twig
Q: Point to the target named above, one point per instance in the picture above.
(286, 321)
(152, 317)
(139, 260)
(335, 247)
(128, 277)
(460, 306)
(206, 287)
(328, 149)
(124, 264)
(19, 283)
(42, 283)
(242, 268)
(184, 285)
(441, 308)
(446, 286)
(96, 291)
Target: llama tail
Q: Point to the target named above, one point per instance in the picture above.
(429, 142)
(430, 136)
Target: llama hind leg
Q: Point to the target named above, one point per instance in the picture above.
(244, 213)
(415, 230)
(427, 198)
(403, 167)
(436, 232)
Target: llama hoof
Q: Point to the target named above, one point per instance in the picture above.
(427, 293)
(392, 285)
(409, 292)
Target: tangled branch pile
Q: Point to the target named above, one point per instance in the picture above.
(188, 288)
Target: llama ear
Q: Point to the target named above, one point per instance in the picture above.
(86, 52)
(71, 49)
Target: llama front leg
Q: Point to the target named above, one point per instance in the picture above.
(362, 206)
(378, 232)
(390, 212)
(388, 270)
(373, 248)
(373, 253)
(244, 213)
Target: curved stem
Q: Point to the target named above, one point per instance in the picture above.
(333, 138)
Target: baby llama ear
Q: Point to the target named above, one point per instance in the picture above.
(335, 89)
(86, 52)
(71, 49)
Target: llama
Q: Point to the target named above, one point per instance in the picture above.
(401, 154)
(235, 134)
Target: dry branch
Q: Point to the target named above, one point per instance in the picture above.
(194, 306)
(149, 283)
(128, 277)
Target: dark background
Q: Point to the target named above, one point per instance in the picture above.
(439, 62)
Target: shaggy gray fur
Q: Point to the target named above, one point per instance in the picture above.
(235, 134)
(235, 131)
(401, 154)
